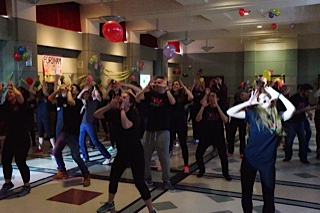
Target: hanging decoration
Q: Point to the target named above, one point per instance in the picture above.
(169, 51)
(292, 26)
(112, 31)
(273, 26)
(199, 71)
(201, 80)
(185, 75)
(243, 12)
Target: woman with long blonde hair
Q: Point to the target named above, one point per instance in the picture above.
(260, 153)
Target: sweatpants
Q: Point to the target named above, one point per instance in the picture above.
(157, 141)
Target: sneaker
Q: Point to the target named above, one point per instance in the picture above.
(148, 182)
(227, 177)
(196, 140)
(153, 211)
(229, 154)
(106, 161)
(309, 150)
(6, 187)
(37, 151)
(286, 159)
(106, 207)
(24, 191)
(305, 161)
(167, 185)
(200, 174)
(186, 170)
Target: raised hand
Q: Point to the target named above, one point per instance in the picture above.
(274, 94)
(114, 103)
(253, 100)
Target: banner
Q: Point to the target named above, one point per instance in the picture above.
(52, 65)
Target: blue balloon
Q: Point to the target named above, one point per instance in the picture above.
(21, 50)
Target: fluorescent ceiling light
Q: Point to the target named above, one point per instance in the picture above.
(259, 26)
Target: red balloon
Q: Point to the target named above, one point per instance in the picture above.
(112, 31)
(17, 56)
(273, 26)
(29, 81)
(241, 12)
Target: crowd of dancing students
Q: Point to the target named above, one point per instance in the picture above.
(142, 121)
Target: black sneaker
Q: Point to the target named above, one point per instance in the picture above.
(24, 191)
(6, 187)
(200, 174)
(286, 159)
(227, 177)
(167, 185)
(318, 156)
(309, 150)
(148, 182)
(304, 161)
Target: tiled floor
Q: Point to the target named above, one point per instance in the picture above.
(297, 186)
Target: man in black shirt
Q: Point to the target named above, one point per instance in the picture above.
(157, 137)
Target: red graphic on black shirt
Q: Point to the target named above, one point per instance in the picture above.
(213, 116)
(156, 102)
(301, 105)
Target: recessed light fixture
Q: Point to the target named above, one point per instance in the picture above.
(4, 16)
(259, 26)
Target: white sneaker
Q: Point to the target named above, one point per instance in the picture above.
(106, 161)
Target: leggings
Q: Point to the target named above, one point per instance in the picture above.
(267, 176)
(182, 135)
(17, 148)
(135, 159)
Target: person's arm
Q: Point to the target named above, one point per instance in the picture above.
(70, 99)
(53, 96)
(237, 110)
(17, 93)
(45, 88)
(187, 91)
(125, 122)
(204, 104)
(114, 103)
(289, 106)
(223, 116)
(85, 89)
(1, 91)
(172, 101)
(97, 95)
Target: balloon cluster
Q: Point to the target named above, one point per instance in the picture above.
(274, 12)
(243, 12)
(199, 71)
(21, 54)
(273, 26)
(267, 74)
(169, 51)
(112, 31)
(175, 71)
(96, 68)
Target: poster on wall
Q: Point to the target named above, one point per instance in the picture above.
(52, 65)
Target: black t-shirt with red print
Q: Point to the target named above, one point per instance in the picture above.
(299, 103)
(158, 111)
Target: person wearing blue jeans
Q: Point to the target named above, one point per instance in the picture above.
(70, 133)
(296, 125)
(261, 151)
(91, 99)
